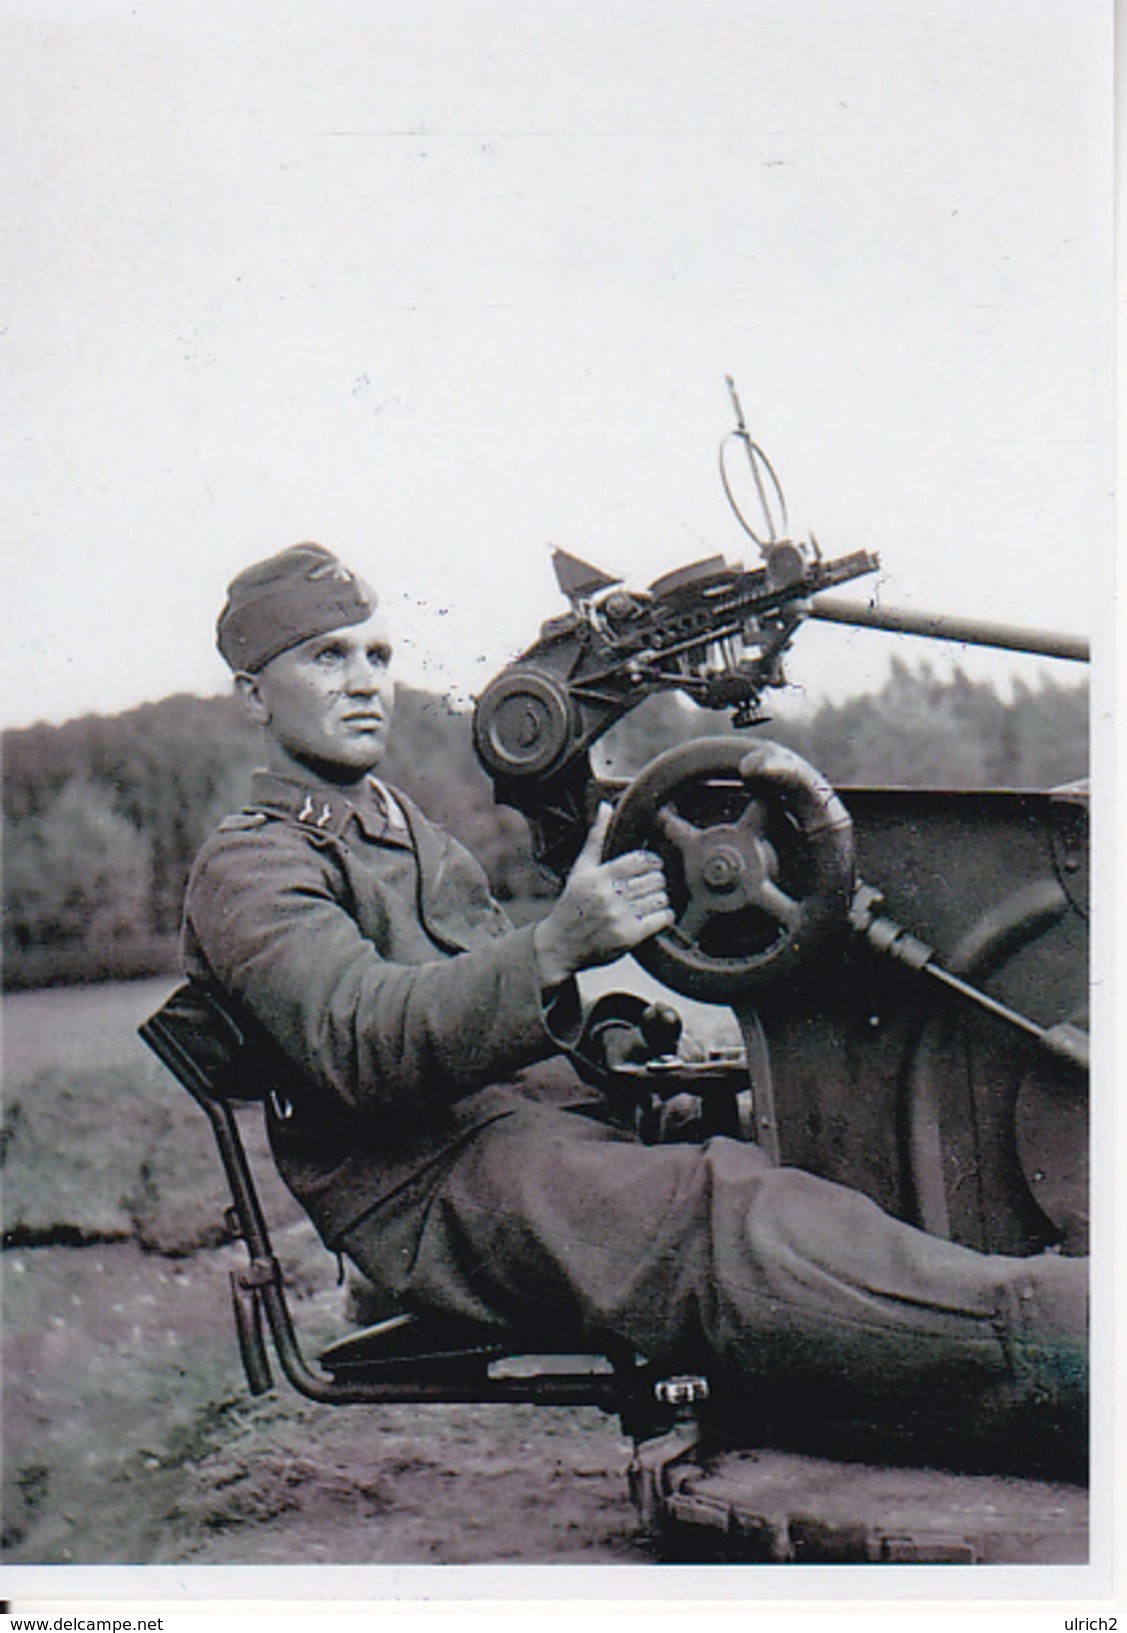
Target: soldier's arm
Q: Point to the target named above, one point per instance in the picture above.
(264, 920)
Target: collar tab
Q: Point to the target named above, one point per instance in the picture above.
(321, 810)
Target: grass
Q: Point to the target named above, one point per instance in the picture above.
(99, 1143)
(74, 1028)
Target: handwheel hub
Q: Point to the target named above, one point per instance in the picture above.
(723, 870)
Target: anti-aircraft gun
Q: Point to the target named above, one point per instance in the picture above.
(908, 966)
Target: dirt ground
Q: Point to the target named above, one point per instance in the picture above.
(132, 1439)
(130, 1436)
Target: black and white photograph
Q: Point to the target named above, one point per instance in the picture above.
(558, 869)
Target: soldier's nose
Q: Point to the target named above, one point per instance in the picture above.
(361, 677)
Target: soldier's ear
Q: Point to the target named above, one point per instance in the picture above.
(250, 697)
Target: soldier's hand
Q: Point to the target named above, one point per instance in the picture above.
(605, 908)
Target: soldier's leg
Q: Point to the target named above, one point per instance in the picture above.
(829, 1308)
(802, 1292)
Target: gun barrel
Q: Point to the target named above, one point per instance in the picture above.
(940, 627)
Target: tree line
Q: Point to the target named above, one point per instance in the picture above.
(103, 814)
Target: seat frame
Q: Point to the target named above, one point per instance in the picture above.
(404, 1359)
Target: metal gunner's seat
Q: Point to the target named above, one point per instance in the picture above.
(405, 1358)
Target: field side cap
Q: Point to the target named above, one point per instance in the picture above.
(280, 602)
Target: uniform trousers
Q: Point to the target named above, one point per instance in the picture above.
(803, 1295)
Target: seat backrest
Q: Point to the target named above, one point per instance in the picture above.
(216, 1053)
(221, 1059)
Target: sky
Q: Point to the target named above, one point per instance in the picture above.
(444, 285)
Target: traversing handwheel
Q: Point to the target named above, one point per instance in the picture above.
(758, 854)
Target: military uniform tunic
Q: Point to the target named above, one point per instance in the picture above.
(372, 953)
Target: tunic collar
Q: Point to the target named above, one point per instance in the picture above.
(323, 808)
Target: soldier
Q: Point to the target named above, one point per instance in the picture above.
(436, 1135)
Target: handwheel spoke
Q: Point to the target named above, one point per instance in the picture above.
(694, 919)
(776, 902)
(673, 827)
(753, 820)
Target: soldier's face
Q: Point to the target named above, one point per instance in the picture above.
(326, 705)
